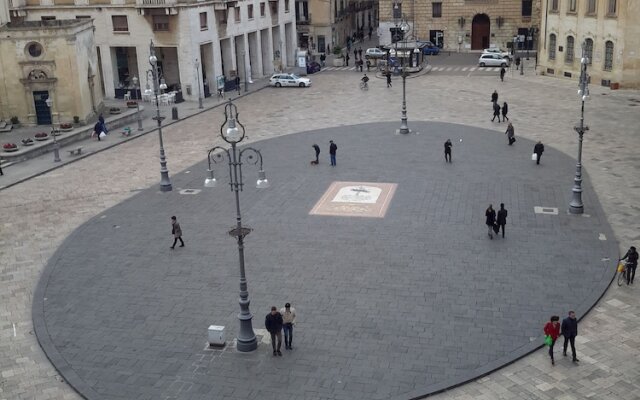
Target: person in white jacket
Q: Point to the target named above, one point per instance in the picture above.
(289, 320)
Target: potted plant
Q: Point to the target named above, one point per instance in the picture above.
(66, 126)
(15, 120)
(338, 59)
(132, 104)
(41, 136)
(9, 147)
(114, 110)
(27, 142)
(76, 119)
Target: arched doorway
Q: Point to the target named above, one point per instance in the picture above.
(480, 32)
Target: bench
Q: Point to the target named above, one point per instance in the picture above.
(76, 151)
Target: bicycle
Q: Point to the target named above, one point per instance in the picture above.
(622, 273)
(364, 85)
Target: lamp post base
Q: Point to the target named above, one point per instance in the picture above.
(246, 340)
(56, 153)
(576, 209)
(403, 131)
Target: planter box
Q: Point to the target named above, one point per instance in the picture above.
(11, 150)
(338, 62)
(116, 111)
(41, 139)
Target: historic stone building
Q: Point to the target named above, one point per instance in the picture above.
(198, 42)
(47, 59)
(464, 25)
(609, 31)
(323, 23)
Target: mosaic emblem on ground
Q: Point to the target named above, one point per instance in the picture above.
(355, 199)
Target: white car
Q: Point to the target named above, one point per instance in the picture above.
(279, 80)
(375, 52)
(497, 50)
(492, 60)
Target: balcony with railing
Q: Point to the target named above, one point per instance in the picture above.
(156, 3)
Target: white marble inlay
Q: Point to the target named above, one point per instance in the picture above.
(357, 194)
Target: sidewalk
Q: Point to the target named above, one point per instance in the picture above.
(15, 173)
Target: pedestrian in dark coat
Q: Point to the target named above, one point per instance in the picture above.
(346, 59)
(552, 328)
(570, 331)
(505, 110)
(370, 32)
(490, 215)
(103, 124)
(332, 152)
(502, 72)
(447, 150)
(502, 218)
(238, 83)
(510, 134)
(368, 65)
(538, 149)
(632, 263)
(494, 96)
(317, 149)
(388, 79)
(273, 322)
(176, 231)
(97, 129)
(355, 53)
(360, 52)
(496, 111)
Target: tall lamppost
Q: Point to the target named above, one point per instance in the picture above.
(135, 91)
(56, 145)
(576, 206)
(165, 183)
(246, 340)
(402, 25)
(200, 106)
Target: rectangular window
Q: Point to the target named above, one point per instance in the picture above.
(236, 13)
(527, 8)
(568, 55)
(611, 9)
(204, 24)
(250, 11)
(436, 10)
(554, 6)
(120, 23)
(160, 22)
(286, 5)
(397, 10)
(608, 56)
(591, 6)
(552, 47)
(262, 9)
(572, 6)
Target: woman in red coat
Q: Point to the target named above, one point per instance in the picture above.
(552, 328)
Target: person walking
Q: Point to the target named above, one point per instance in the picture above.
(103, 125)
(97, 130)
(502, 72)
(447, 150)
(238, 83)
(632, 263)
(510, 134)
(368, 64)
(552, 329)
(494, 96)
(355, 54)
(505, 110)
(538, 149)
(388, 79)
(496, 111)
(273, 323)
(288, 321)
(501, 219)
(360, 53)
(332, 152)
(317, 149)
(176, 231)
(323, 58)
(570, 331)
(346, 59)
(490, 215)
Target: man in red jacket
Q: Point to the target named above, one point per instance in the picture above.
(552, 328)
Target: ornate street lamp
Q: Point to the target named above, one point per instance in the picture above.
(576, 206)
(403, 26)
(230, 133)
(159, 84)
(56, 145)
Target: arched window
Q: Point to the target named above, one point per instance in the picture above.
(608, 55)
(588, 50)
(552, 46)
(568, 54)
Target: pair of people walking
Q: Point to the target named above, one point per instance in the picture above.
(497, 109)
(568, 329)
(278, 321)
(333, 148)
(632, 263)
(496, 222)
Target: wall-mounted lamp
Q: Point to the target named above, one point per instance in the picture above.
(461, 22)
(499, 22)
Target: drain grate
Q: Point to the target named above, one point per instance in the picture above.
(545, 210)
(190, 191)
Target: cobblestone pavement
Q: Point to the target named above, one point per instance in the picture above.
(37, 215)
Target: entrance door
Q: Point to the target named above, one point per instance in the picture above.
(480, 32)
(43, 114)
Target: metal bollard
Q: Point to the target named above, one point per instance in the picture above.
(174, 113)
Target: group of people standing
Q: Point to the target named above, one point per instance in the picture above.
(497, 108)
(333, 148)
(278, 321)
(568, 329)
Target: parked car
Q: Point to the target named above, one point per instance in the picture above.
(431, 50)
(497, 50)
(375, 52)
(313, 67)
(492, 60)
(279, 80)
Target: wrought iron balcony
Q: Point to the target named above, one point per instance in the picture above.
(156, 3)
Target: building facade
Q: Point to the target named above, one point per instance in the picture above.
(463, 25)
(608, 30)
(323, 23)
(43, 60)
(199, 43)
